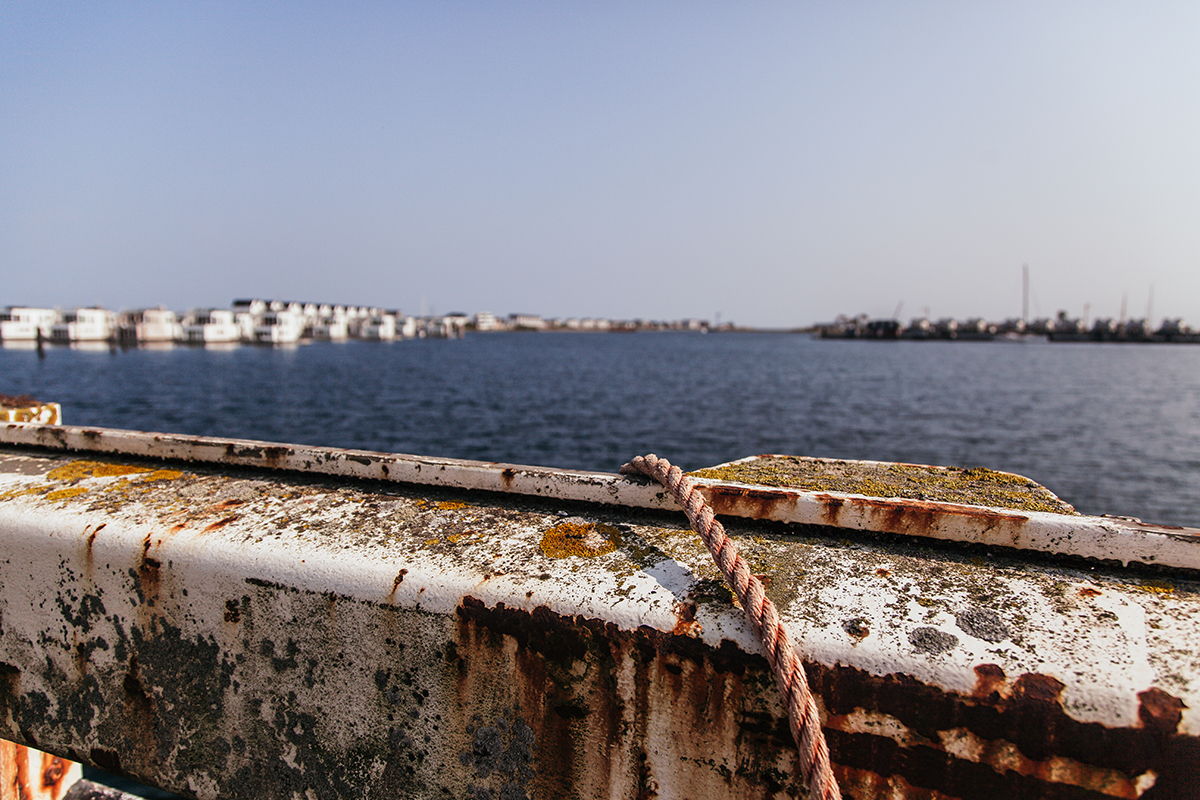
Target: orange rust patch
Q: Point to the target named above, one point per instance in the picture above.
(686, 625)
(754, 503)
(221, 523)
(989, 680)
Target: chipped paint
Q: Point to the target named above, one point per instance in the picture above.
(237, 634)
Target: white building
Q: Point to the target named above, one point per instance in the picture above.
(379, 327)
(280, 327)
(85, 325)
(486, 321)
(148, 325)
(21, 323)
(330, 327)
(211, 326)
(526, 321)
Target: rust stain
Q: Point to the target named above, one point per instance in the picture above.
(1038, 688)
(1087, 591)
(832, 509)
(915, 517)
(396, 583)
(989, 681)
(686, 625)
(755, 503)
(555, 689)
(1020, 744)
(54, 770)
(1159, 711)
(149, 572)
(506, 477)
(221, 523)
(21, 756)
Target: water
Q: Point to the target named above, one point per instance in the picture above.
(1110, 428)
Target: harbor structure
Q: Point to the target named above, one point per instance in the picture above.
(148, 326)
(25, 324)
(211, 326)
(282, 326)
(90, 325)
(228, 618)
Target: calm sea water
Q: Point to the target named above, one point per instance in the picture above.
(1110, 428)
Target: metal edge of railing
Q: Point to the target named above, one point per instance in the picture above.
(1105, 539)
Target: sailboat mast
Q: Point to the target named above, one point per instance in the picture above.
(1025, 294)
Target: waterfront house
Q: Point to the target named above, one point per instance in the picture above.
(84, 325)
(22, 323)
(146, 325)
(331, 327)
(531, 322)
(379, 327)
(280, 327)
(486, 321)
(210, 326)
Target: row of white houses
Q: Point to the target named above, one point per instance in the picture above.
(249, 321)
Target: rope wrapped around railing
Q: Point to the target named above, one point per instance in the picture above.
(803, 719)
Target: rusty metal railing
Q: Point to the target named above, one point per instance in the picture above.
(225, 618)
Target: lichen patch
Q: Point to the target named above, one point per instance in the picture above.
(976, 487)
(578, 537)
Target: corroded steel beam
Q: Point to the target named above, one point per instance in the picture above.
(1108, 539)
(227, 632)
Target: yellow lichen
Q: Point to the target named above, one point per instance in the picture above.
(63, 494)
(93, 469)
(164, 475)
(450, 505)
(574, 537)
(1158, 587)
(22, 492)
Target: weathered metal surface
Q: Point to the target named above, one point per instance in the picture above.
(1033, 519)
(29, 774)
(41, 413)
(231, 633)
(1098, 538)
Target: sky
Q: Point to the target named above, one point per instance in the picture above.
(769, 164)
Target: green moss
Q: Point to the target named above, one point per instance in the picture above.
(975, 487)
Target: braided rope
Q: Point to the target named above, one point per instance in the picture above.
(764, 619)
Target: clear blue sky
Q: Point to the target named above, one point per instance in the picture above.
(778, 163)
